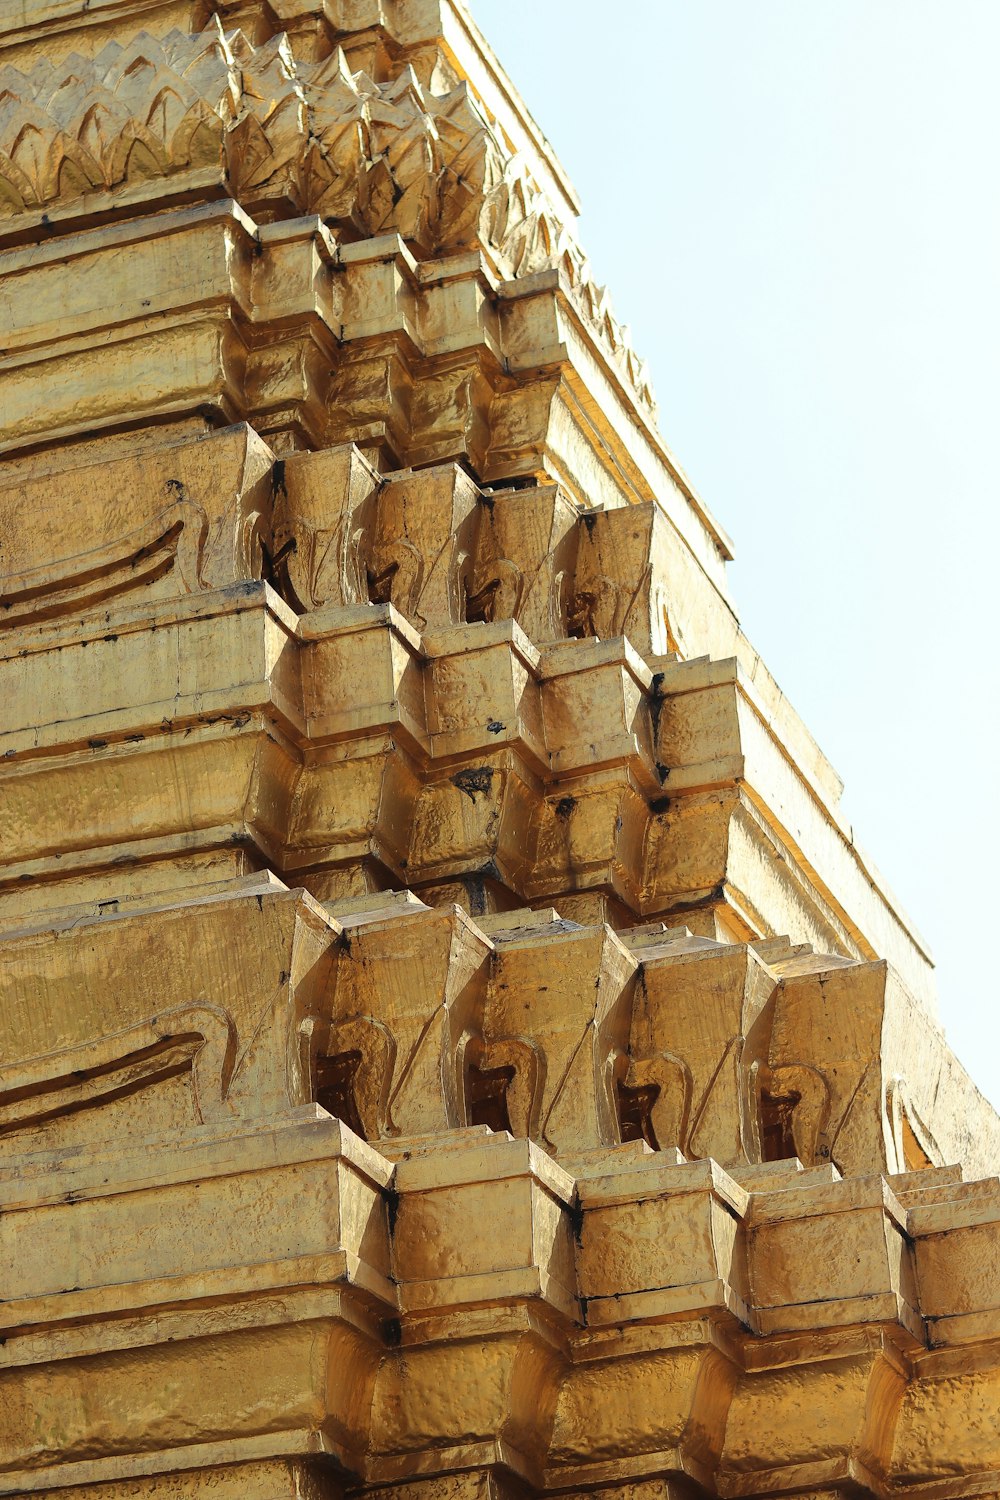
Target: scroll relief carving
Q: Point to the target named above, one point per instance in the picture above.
(196, 1041)
(798, 1117)
(524, 552)
(699, 1073)
(323, 509)
(794, 1112)
(544, 1065)
(618, 587)
(390, 1060)
(914, 1143)
(432, 1030)
(138, 526)
(386, 157)
(171, 540)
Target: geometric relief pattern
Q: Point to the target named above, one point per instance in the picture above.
(382, 157)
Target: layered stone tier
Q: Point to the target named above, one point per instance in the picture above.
(227, 1282)
(451, 1042)
(468, 691)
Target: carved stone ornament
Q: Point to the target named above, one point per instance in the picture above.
(377, 158)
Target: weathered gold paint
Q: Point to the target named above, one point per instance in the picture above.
(451, 1044)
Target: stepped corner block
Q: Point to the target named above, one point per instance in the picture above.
(452, 1046)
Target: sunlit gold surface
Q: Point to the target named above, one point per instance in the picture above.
(452, 1046)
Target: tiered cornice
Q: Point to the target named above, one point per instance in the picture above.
(452, 1046)
(447, 1309)
(213, 111)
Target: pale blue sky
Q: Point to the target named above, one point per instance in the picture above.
(796, 204)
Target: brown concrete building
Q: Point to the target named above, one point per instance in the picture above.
(452, 1043)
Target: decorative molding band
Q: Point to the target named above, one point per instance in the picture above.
(374, 158)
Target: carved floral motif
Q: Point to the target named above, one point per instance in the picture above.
(383, 158)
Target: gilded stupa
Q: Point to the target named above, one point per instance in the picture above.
(452, 1046)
